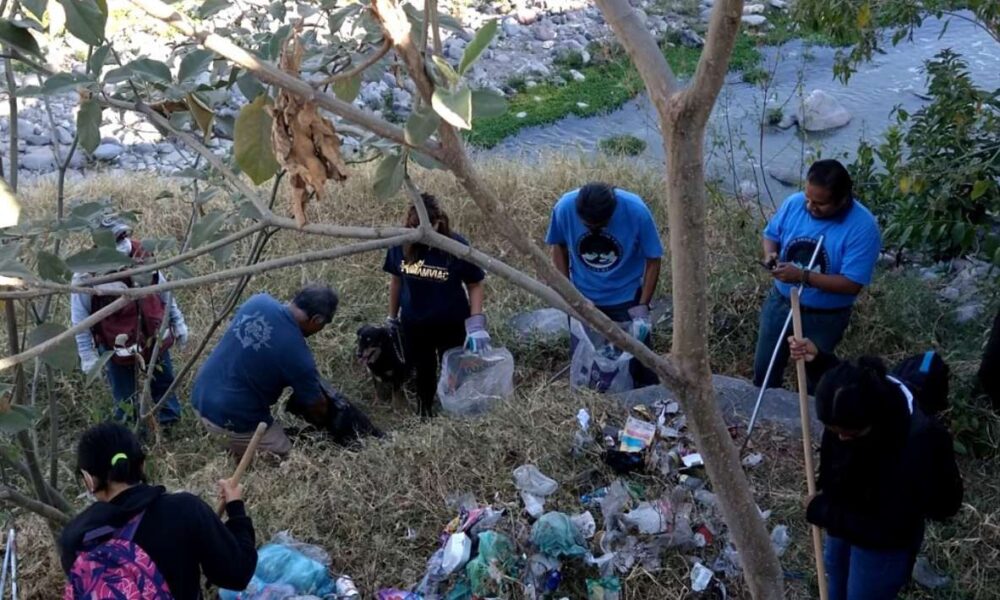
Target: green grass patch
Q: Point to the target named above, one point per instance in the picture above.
(609, 83)
(622, 145)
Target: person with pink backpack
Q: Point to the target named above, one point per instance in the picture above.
(137, 542)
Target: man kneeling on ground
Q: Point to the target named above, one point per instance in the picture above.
(263, 352)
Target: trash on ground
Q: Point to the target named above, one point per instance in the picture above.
(529, 479)
(780, 539)
(638, 435)
(596, 364)
(285, 568)
(752, 460)
(471, 383)
(701, 576)
(927, 576)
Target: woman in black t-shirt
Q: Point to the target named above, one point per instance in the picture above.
(437, 300)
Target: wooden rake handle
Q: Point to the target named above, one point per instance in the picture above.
(800, 371)
(245, 460)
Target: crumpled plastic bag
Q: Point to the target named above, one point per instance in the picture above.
(496, 560)
(287, 568)
(555, 535)
(595, 363)
(528, 478)
(606, 588)
(470, 384)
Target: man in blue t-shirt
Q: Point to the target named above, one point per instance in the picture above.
(844, 265)
(263, 352)
(605, 241)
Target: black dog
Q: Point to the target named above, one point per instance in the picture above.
(380, 350)
(345, 423)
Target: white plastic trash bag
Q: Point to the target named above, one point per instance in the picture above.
(471, 383)
(595, 363)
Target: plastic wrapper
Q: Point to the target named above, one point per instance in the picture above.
(456, 552)
(606, 588)
(650, 518)
(595, 363)
(494, 563)
(555, 535)
(287, 568)
(471, 383)
(528, 478)
(701, 576)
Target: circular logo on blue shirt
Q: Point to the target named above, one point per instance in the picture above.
(599, 251)
(800, 251)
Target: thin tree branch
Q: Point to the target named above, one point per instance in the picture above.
(39, 508)
(713, 64)
(270, 74)
(360, 67)
(97, 317)
(57, 499)
(12, 123)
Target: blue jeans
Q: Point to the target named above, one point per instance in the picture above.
(122, 380)
(855, 573)
(825, 329)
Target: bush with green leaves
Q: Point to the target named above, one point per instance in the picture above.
(622, 145)
(934, 179)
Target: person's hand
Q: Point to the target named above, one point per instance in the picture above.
(787, 273)
(771, 260)
(229, 492)
(181, 334)
(639, 311)
(803, 349)
(477, 340)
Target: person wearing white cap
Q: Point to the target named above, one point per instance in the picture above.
(130, 333)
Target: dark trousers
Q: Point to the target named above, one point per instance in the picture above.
(123, 390)
(641, 375)
(423, 346)
(825, 328)
(856, 573)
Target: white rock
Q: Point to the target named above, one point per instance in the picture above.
(754, 20)
(511, 28)
(787, 121)
(144, 148)
(821, 111)
(64, 135)
(38, 159)
(108, 152)
(526, 16)
(786, 175)
(778, 4)
(544, 33)
(753, 9)
(576, 75)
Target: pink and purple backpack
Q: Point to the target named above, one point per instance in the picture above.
(112, 566)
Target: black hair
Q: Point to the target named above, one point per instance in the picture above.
(317, 300)
(596, 203)
(110, 452)
(833, 176)
(436, 214)
(858, 395)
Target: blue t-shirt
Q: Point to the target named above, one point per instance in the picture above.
(262, 353)
(851, 245)
(432, 290)
(606, 265)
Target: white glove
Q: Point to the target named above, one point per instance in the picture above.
(477, 340)
(88, 362)
(181, 334)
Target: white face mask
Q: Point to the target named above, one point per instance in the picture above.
(124, 246)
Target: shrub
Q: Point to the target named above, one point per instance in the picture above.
(622, 145)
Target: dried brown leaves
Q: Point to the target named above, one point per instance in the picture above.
(305, 142)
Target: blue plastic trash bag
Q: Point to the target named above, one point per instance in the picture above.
(555, 535)
(287, 568)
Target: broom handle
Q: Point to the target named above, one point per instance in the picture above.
(244, 461)
(800, 371)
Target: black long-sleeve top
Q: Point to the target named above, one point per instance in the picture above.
(876, 491)
(180, 533)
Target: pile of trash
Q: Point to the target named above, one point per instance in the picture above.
(658, 501)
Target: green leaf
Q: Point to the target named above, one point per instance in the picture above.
(62, 356)
(389, 175)
(454, 107)
(210, 7)
(347, 89)
(426, 161)
(60, 83)
(194, 64)
(158, 245)
(97, 61)
(19, 37)
(98, 367)
(252, 144)
(52, 268)
(36, 7)
(249, 86)
(446, 70)
(16, 419)
(959, 448)
(421, 125)
(150, 70)
(979, 188)
(118, 75)
(88, 124)
(85, 19)
(277, 10)
(479, 43)
(10, 265)
(341, 14)
(202, 114)
(181, 271)
(97, 260)
(206, 228)
(277, 41)
(487, 103)
(958, 233)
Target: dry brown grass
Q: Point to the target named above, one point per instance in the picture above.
(378, 511)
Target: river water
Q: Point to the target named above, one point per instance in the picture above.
(738, 154)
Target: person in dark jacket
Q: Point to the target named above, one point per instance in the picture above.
(436, 299)
(180, 532)
(885, 467)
